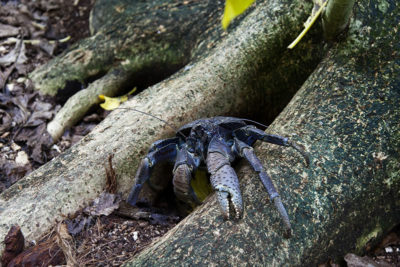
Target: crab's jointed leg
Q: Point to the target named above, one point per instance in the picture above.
(244, 138)
(160, 151)
(249, 134)
(223, 177)
(186, 163)
(247, 152)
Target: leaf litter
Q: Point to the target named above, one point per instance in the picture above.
(31, 33)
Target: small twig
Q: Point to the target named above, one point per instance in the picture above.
(65, 242)
(96, 249)
(111, 178)
(301, 150)
(36, 42)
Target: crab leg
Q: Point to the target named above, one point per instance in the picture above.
(247, 152)
(249, 134)
(156, 155)
(223, 177)
(186, 163)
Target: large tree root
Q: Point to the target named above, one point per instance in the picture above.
(78, 104)
(128, 45)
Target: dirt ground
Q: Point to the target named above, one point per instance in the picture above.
(107, 233)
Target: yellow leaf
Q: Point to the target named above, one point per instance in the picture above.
(201, 185)
(234, 8)
(111, 103)
(131, 91)
(319, 5)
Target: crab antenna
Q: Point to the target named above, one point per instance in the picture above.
(255, 122)
(155, 117)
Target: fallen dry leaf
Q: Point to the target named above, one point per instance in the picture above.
(8, 30)
(43, 254)
(104, 204)
(353, 260)
(11, 57)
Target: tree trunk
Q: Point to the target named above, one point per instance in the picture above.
(346, 115)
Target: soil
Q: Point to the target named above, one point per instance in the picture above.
(101, 239)
(112, 240)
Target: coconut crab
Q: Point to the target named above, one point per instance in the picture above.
(214, 143)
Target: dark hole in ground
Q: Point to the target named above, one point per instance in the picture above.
(142, 79)
(71, 87)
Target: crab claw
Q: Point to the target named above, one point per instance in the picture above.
(226, 184)
(229, 197)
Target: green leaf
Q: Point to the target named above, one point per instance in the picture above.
(234, 8)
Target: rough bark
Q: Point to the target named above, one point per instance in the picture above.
(247, 71)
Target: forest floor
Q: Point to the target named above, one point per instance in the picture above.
(48, 28)
(31, 33)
